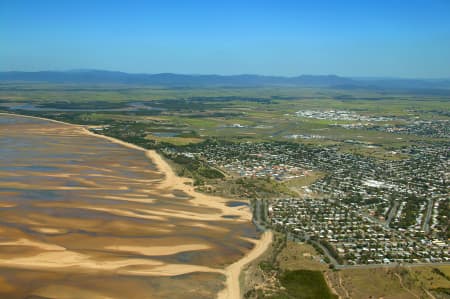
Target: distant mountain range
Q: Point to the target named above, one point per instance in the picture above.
(168, 79)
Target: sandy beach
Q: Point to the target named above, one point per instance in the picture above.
(172, 181)
(233, 288)
(232, 272)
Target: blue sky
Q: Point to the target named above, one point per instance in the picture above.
(394, 38)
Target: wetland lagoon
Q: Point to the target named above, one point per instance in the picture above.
(82, 216)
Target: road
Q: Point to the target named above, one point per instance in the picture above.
(326, 252)
(392, 213)
(391, 265)
(426, 222)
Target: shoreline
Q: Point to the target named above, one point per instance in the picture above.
(232, 272)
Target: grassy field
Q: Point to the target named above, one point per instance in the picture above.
(297, 184)
(413, 282)
(304, 284)
(175, 140)
(434, 278)
(289, 270)
(264, 113)
(302, 271)
(296, 256)
(445, 270)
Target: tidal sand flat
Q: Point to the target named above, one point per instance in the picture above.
(84, 217)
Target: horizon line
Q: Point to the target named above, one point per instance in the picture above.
(362, 77)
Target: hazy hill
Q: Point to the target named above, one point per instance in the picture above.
(168, 79)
